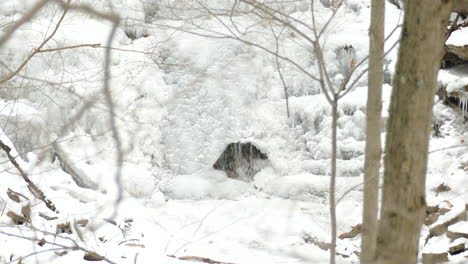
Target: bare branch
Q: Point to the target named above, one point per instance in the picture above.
(347, 88)
(335, 11)
(271, 13)
(97, 45)
(278, 66)
(61, 246)
(38, 193)
(35, 51)
(359, 76)
(321, 61)
(110, 103)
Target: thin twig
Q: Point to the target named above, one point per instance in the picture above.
(36, 50)
(128, 50)
(63, 247)
(38, 193)
(97, 45)
(278, 66)
(359, 76)
(20, 259)
(325, 77)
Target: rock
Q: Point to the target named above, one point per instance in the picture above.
(436, 246)
(442, 188)
(460, 51)
(433, 213)
(451, 59)
(458, 230)
(456, 44)
(356, 230)
(17, 219)
(241, 161)
(48, 218)
(64, 228)
(309, 239)
(433, 258)
(26, 211)
(82, 223)
(457, 247)
(42, 242)
(13, 196)
(69, 167)
(92, 256)
(456, 213)
(441, 228)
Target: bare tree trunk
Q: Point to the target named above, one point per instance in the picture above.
(373, 125)
(333, 180)
(403, 202)
(460, 6)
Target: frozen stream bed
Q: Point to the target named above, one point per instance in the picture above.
(256, 228)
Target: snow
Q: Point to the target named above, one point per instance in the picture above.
(205, 185)
(180, 99)
(457, 85)
(457, 207)
(434, 245)
(460, 227)
(455, 82)
(458, 37)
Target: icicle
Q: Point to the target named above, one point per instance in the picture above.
(463, 102)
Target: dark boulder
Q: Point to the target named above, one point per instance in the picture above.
(241, 161)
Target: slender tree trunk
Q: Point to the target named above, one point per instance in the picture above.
(373, 143)
(403, 201)
(332, 199)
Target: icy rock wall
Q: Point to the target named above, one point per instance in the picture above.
(203, 93)
(211, 94)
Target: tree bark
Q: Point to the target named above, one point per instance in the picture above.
(373, 125)
(460, 6)
(403, 201)
(332, 191)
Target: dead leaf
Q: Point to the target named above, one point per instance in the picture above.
(92, 256)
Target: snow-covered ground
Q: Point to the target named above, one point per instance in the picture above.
(180, 98)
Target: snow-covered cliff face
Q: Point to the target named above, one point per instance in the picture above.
(182, 98)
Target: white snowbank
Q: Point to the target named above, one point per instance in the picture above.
(458, 37)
